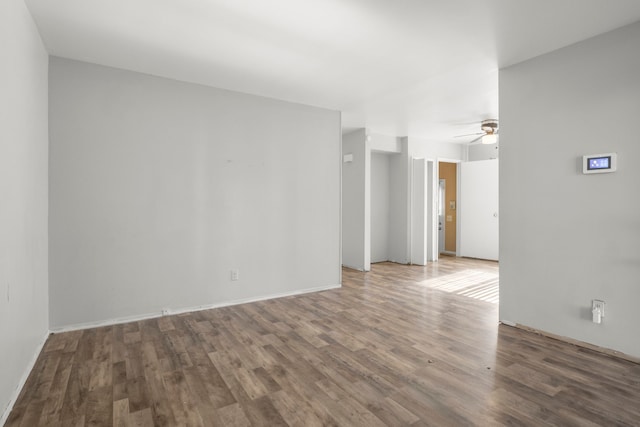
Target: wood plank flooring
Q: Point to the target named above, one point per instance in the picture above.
(398, 346)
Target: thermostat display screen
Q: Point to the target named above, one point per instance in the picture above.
(599, 163)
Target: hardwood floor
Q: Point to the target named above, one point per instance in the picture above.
(401, 345)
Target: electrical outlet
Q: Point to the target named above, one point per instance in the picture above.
(235, 275)
(598, 305)
(165, 311)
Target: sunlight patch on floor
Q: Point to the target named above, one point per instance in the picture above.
(475, 284)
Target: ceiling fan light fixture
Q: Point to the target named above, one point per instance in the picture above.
(490, 138)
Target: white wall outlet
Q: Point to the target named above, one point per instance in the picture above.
(597, 310)
(165, 311)
(235, 275)
(597, 304)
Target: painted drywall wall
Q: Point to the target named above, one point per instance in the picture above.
(477, 152)
(400, 189)
(160, 188)
(419, 148)
(419, 211)
(379, 206)
(399, 179)
(355, 201)
(23, 198)
(567, 238)
(383, 143)
(365, 198)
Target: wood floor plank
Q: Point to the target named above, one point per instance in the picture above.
(142, 418)
(121, 413)
(182, 400)
(232, 416)
(99, 410)
(400, 345)
(53, 404)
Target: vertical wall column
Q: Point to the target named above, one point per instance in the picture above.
(356, 196)
(419, 212)
(399, 214)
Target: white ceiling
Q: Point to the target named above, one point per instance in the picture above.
(423, 68)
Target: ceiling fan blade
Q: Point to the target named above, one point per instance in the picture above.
(476, 139)
(469, 134)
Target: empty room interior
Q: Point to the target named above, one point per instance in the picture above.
(310, 213)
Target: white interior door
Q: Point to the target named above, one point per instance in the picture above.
(478, 209)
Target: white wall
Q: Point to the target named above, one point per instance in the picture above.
(23, 198)
(483, 152)
(366, 198)
(419, 148)
(399, 179)
(160, 188)
(379, 207)
(420, 234)
(383, 143)
(567, 238)
(355, 202)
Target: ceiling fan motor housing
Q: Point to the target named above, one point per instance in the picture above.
(489, 126)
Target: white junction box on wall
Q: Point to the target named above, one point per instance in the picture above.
(599, 163)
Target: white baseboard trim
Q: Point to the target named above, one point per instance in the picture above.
(135, 318)
(572, 341)
(508, 322)
(23, 380)
(352, 267)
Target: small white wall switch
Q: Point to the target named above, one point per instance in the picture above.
(235, 275)
(347, 158)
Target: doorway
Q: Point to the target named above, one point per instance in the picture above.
(447, 207)
(442, 185)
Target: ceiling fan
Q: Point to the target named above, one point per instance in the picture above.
(489, 134)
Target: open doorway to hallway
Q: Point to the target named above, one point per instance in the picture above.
(447, 209)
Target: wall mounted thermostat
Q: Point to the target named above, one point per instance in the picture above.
(599, 163)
